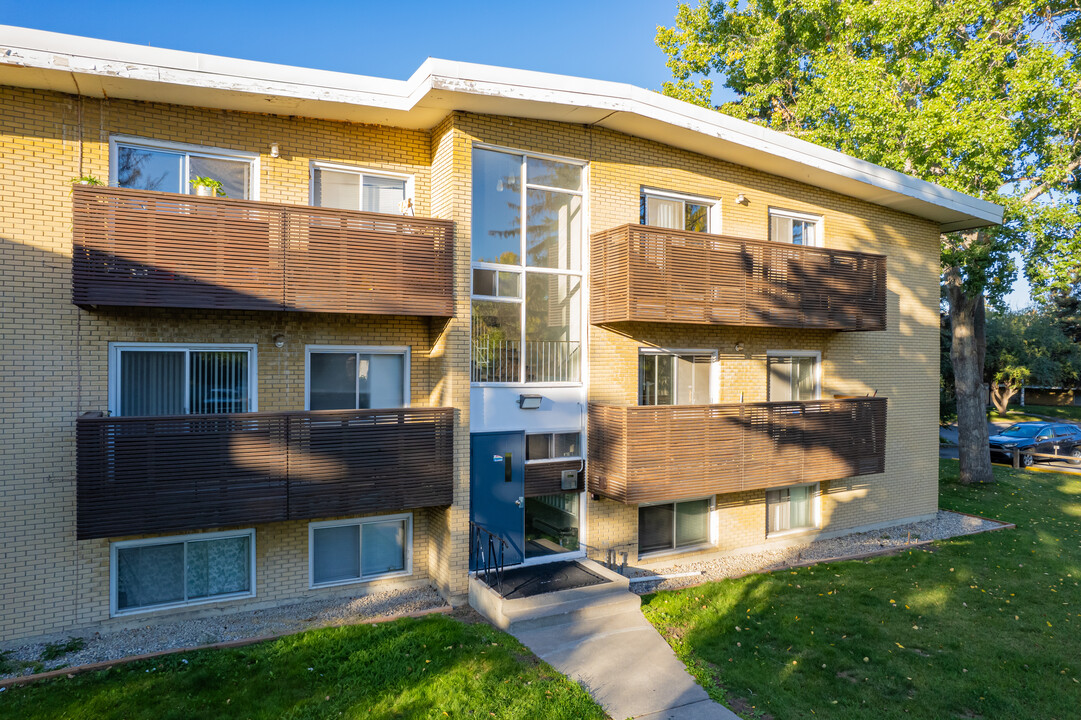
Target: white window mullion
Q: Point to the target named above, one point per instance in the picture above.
(187, 383)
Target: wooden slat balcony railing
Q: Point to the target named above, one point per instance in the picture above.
(650, 274)
(155, 249)
(668, 452)
(188, 472)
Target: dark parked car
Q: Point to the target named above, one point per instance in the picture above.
(1039, 438)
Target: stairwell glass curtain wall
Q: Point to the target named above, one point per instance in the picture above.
(527, 268)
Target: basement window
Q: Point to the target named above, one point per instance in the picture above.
(673, 526)
(792, 508)
(350, 551)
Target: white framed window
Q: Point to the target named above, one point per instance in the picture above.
(351, 551)
(147, 164)
(154, 379)
(556, 446)
(675, 526)
(793, 375)
(797, 228)
(527, 253)
(354, 188)
(676, 377)
(181, 570)
(792, 509)
(348, 377)
(678, 211)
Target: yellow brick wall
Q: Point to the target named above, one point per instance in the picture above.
(55, 355)
(901, 363)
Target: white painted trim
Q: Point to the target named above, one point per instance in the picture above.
(410, 180)
(115, 349)
(816, 354)
(169, 540)
(187, 149)
(404, 350)
(713, 524)
(816, 511)
(818, 220)
(716, 213)
(407, 550)
(98, 68)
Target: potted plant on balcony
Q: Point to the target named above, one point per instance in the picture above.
(207, 187)
(86, 180)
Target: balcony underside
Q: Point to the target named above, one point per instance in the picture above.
(640, 273)
(163, 474)
(154, 249)
(670, 452)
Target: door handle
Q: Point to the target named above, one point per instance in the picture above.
(519, 501)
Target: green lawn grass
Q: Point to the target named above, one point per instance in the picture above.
(435, 667)
(985, 626)
(1037, 412)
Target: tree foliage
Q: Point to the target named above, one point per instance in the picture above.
(1028, 348)
(980, 96)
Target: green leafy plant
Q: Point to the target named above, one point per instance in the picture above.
(86, 180)
(53, 651)
(208, 182)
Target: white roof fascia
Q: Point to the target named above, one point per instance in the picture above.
(440, 86)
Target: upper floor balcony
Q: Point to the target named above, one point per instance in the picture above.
(641, 273)
(669, 452)
(140, 475)
(153, 249)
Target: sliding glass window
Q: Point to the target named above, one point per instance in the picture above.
(527, 268)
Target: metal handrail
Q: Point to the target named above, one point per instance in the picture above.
(492, 565)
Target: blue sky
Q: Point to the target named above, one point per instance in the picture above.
(607, 40)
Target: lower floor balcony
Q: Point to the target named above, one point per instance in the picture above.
(140, 475)
(656, 453)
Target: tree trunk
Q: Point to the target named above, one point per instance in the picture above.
(965, 354)
(1001, 396)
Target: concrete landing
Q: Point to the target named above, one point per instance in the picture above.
(598, 636)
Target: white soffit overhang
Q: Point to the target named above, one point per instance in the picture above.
(99, 68)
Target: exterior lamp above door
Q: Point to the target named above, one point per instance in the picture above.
(529, 402)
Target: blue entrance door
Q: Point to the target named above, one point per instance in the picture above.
(497, 489)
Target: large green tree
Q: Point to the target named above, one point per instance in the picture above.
(1028, 347)
(979, 96)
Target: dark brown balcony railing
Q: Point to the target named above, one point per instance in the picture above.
(162, 474)
(154, 249)
(649, 274)
(668, 452)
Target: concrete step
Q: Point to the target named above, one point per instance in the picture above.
(556, 608)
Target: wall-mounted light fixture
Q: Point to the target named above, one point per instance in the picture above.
(741, 199)
(529, 402)
(279, 340)
(273, 149)
(739, 347)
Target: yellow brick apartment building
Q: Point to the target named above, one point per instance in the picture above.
(273, 334)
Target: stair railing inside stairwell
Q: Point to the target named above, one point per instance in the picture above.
(487, 550)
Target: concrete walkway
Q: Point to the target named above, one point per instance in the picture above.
(625, 665)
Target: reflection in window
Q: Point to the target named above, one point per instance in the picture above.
(146, 167)
(792, 379)
(674, 213)
(666, 379)
(353, 551)
(356, 380)
(791, 508)
(672, 526)
(358, 190)
(530, 259)
(551, 524)
(793, 228)
(549, 446)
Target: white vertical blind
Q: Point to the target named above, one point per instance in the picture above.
(665, 213)
(152, 382)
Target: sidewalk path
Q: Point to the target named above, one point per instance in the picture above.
(625, 665)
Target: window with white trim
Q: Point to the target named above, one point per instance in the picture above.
(528, 222)
(357, 378)
(679, 212)
(553, 446)
(673, 526)
(146, 164)
(349, 551)
(796, 228)
(792, 377)
(164, 572)
(674, 378)
(349, 188)
(154, 379)
(792, 508)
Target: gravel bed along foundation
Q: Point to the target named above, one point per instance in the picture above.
(283, 620)
(945, 525)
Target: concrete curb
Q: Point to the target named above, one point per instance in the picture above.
(859, 556)
(107, 664)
